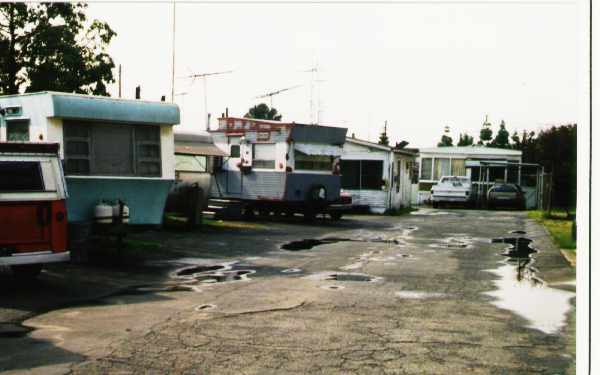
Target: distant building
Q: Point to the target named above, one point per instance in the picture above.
(111, 148)
(377, 176)
(484, 165)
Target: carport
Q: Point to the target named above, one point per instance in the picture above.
(485, 173)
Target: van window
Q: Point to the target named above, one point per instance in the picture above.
(235, 151)
(264, 155)
(21, 176)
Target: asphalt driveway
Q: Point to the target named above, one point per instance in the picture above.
(436, 292)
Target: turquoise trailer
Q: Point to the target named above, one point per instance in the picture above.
(112, 149)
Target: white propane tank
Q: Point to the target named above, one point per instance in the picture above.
(103, 213)
(115, 213)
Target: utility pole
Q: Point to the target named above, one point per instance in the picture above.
(173, 62)
(120, 84)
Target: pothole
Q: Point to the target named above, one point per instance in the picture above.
(206, 306)
(307, 244)
(517, 232)
(332, 287)
(519, 247)
(224, 276)
(13, 330)
(352, 277)
(291, 270)
(192, 270)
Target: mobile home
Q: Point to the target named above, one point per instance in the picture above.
(112, 149)
(378, 177)
(278, 166)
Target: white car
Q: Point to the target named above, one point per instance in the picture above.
(451, 189)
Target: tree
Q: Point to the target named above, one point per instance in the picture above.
(445, 141)
(46, 46)
(263, 112)
(526, 144)
(465, 140)
(383, 138)
(502, 137)
(485, 134)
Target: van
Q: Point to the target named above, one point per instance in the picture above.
(33, 213)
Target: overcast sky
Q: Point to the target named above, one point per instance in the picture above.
(418, 66)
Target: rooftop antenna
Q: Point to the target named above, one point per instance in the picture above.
(270, 95)
(203, 76)
(314, 79)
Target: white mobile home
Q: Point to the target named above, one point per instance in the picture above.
(483, 165)
(377, 176)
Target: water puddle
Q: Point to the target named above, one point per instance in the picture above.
(517, 232)
(519, 247)
(292, 270)
(13, 330)
(307, 244)
(545, 308)
(353, 277)
(192, 270)
(411, 294)
(224, 276)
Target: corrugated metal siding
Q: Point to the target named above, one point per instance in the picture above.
(375, 199)
(255, 185)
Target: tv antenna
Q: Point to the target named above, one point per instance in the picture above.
(314, 81)
(270, 95)
(203, 76)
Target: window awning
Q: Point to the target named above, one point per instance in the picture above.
(318, 149)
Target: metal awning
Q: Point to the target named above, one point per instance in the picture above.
(318, 149)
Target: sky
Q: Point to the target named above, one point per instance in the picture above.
(418, 66)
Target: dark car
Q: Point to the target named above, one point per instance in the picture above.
(506, 195)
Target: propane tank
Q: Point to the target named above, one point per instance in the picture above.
(103, 213)
(115, 212)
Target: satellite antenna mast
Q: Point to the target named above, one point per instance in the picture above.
(203, 76)
(270, 95)
(172, 63)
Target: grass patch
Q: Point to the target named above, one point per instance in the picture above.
(559, 226)
(224, 224)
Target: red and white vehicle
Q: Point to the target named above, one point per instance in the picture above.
(33, 213)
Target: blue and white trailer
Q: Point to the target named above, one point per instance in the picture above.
(281, 167)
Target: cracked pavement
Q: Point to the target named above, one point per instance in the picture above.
(427, 311)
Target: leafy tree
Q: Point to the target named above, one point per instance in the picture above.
(445, 141)
(502, 137)
(263, 112)
(526, 144)
(465, 140)
(46, 46)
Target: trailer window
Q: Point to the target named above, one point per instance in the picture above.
(21, 176)
(190, 163)
(264, 155)
(313, 162)
(426, 168)
(362, 174)
(442, 168)
(112, 150)
(234, 151)
(17, 130)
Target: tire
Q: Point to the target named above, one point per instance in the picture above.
(336, 215)
(249, 213)
(26, 271)
(309, 215)
(435, 204)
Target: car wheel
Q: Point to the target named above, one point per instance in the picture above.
(336, 215)
(26, 271)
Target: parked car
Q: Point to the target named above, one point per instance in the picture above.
(33, 214)
(451, 189)
(506, 195)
